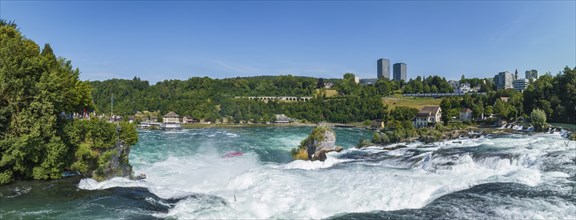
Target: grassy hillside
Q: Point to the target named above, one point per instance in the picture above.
(329, 92)
(413, 102)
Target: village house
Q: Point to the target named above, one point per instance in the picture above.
(377, 124)
(189, 120)
(171, 120)
(282, 119)
(504, 98)
(429, 114)
(466, 114)
(185, 119)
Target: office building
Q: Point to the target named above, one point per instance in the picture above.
(368, 81)
(504, 80)
(521, 84)
(532, 74)
(383, 69)
(399, 70)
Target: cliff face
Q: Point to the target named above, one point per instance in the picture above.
(114, 163)
(320, 141)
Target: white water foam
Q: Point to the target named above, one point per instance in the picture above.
(535, 209)
(313, 165)
(303, 189)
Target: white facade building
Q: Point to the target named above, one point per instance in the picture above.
(429, 114)
(171, 120)
(521, 84)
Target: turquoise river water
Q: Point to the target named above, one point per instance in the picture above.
(518, 176)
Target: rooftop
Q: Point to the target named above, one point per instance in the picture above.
(428, 110)
(171, 115)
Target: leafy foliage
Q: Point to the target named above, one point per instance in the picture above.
(215, 99)
(555, 95)
(538, 118)
(38, 94)
(431, 84)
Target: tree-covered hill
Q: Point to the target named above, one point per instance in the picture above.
(214, 99)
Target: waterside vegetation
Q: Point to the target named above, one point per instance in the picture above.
(39, 138)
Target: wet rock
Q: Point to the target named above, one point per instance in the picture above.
(395, 147)
(321, 141)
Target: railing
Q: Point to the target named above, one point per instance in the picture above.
(282, 98)
(441, 94)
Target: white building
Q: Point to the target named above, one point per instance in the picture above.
(454, 84)
(282, 119)
(171, 120)
(466, 114)
(464, 88)
(429, 114)
(521, 84)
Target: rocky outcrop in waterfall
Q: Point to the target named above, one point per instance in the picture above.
(117, 163)
(320, 141)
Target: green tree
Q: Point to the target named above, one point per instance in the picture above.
(348, 86)
(478, 109)
(501, 108)
(38, 138)
(538, 118)
(320, 83)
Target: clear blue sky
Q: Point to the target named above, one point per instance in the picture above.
(159, 40)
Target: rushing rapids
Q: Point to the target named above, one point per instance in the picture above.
(507, 176)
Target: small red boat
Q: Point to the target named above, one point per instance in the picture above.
(233, 154)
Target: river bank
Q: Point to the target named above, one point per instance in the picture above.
(394, 136)
(246, 125)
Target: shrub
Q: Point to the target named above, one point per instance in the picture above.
(6, 177)
(128, 133)
(538, 118)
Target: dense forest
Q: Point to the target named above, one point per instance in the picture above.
(214, 99)
(39, 91)
(556, 95)
(433, 84)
